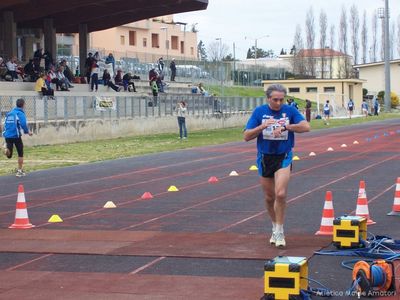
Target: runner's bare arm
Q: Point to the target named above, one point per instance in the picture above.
(250, 134)
(303, 126)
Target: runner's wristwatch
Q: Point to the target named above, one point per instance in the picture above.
(284, 128)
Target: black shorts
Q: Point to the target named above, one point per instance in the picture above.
(270, 163)
(18, 145)
(350, 109)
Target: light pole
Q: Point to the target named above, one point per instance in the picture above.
(166, 38)
(383, 13)
(255, 49)
(220, 63)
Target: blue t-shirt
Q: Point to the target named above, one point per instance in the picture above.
(364, 105)
(266, 143)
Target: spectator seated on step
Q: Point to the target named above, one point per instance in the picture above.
(67, 71)
(127, 81)
(3, 69)
(202, 90)
(12, 68)
(118, 78)
(43, 86)
(53, 79)
(107, 81)
(63, 81)
(32, 74)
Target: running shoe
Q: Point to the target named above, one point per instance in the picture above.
(272, 240)
(20, 173)
(280, 240)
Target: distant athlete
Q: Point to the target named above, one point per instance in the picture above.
(274, 125)
(364, 108)
(327, 112)
(350, 107)
(15, 121)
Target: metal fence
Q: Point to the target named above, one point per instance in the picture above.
(210, 72)
(72, 108)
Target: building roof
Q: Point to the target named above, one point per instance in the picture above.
(350, 80)
(97, 14)
(379, 63)
(320, 53)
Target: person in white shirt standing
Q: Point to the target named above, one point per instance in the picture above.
(94, 80)
(181, 109)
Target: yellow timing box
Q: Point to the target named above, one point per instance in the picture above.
(348, 231)
(284, 277)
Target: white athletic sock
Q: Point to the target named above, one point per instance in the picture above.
(273, 227)
(279, 228)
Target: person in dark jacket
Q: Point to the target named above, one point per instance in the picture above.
(15, 122)
(48, 60)
(88, 66)
(127, 81)
(172, 66)
(30, 71)
(107, 81)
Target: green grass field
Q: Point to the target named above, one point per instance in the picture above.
(44, 157)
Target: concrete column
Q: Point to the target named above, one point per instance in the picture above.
(50, 41)
(10, 34)
(83, 47)
(28, 47)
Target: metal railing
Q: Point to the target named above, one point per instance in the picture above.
(40, 109)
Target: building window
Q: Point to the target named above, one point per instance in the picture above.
(132, 38)
(122, 39)
(191, 51)
(155, 43)
(329, 89)
(144, 42)
(174, 42)
(312, 90)
(294, 90)
(182, 47)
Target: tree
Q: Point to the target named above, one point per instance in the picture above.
(310, 40)
(344, 64)
(323, 26)
(229, 57)
(201, 51)
(364, 38)
(298, 62)
(260, 53)
(374, 42)
(354, 27)
(217, 51)
(332, 46)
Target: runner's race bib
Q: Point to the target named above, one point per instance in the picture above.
(268, 132)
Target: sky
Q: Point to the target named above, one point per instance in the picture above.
(234, 20)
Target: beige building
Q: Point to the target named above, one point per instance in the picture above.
(146, 40)
(328, 63)
(337, 91)
(374, 76)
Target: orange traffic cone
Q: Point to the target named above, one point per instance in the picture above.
(147, 196)
(362, 204)
(327, 216)
(396, 204)
(213, 179)
(21, 213)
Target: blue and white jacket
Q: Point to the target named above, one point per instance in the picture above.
(15, 121)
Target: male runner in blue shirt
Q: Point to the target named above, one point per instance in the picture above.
(274, 125)
(14, 125)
